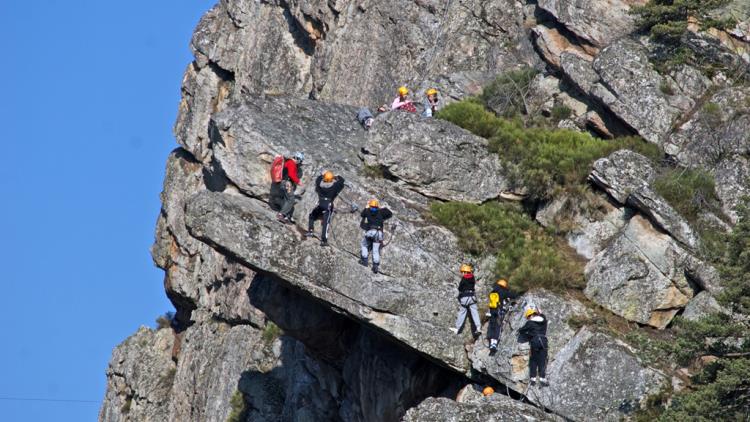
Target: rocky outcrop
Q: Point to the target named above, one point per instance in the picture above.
(574, 354)
(418, 152)
(597, 23)
(716, 139)
(650, 269)
(478, 409)
(623, 80)
(702, 305)
(640, 276)
(273, 77)
(627, 177)
(140, 378)
(358, 52)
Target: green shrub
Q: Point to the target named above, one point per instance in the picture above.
(688, 191)
(526, 254)
(271, 332)
(472, 116)
(666, 88)
(164, 321)
(720, 393)
(667, 23)
(561, 112)
(125, 409)
(542, 160)
(667, 20)
(508, 93)
(238, 406)
(373, 172)
(735, 269)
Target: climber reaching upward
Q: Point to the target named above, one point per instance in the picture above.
(499, 301)
(535, 333)
(327, 186)
(373, 218)
(467, 301)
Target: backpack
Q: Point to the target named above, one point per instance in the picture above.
(277, 169)
(494, 300)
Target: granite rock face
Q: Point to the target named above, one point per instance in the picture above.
(627, 177)
(140, 378)
(272, 327)
(578, 360)
(480, 409)
(359, 51)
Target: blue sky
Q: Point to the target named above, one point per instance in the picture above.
(89, 95)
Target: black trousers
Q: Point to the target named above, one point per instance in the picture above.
(496, 324)
(538, 363)
(324, 211)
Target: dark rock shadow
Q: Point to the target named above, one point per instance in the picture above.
(333, 368)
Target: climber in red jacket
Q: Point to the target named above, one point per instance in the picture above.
(291, 181)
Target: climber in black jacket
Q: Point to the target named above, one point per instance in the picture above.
(535, 333)
(373, 219)
(499, 301)
(327, 186)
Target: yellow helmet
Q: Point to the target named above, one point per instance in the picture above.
(488, 391)
(403, 91)
(373, 203)
(503, 283)
(529, 312)
(466, 268)
(328, 176)
(432, 91)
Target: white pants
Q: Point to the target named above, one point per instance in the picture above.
(373, 238)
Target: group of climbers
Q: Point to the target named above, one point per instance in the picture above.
(286, 185)
(500, 299)
(286, 175)
(402, 102)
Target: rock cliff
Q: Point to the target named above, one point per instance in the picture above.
(270, 326)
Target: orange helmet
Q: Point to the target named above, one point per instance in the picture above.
(488, 391)
(466, 268)
(328, 176)
(503, 283)
(373, 203)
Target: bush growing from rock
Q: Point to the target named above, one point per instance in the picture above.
(543, 161)
(525, 253)
(507, 95)
(690, 192)
(667, 20)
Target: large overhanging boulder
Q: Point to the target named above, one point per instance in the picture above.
(411, 311)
